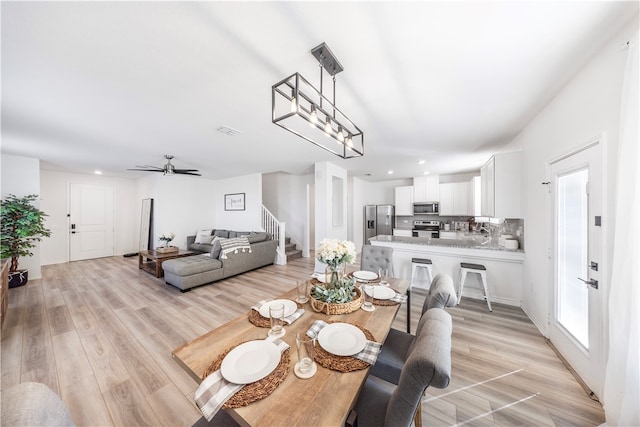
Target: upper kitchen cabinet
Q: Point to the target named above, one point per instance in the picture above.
(454, 199)
(404, 201)
(426, 188)
(501, 190)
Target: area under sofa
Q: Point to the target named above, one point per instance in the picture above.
(216, 262)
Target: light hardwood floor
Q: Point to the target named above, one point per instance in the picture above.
(100, 334)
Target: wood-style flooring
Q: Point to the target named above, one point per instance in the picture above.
(100, 334)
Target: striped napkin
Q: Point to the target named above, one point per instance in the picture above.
(371, 349)
(288, 320)
(214, 390)
(399, 298)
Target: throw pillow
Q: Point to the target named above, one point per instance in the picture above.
(216, 247)
(239, 244)
(202, 235)
(221, 233)
(257, 237)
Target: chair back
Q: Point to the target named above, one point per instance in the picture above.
(373, 258)
(441, 294)
(428, 364)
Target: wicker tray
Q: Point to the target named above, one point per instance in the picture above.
(332, 308)
(167, 250)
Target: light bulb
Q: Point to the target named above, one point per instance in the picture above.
(294, 105)
(340, 134)
(313, 117)
(349, 141)
(327, 127)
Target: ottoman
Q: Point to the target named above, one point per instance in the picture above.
(186, 273)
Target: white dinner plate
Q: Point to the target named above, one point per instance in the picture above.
(382, 292)
(342, 339)
(250, 362)
(290, 307)
(365, 275)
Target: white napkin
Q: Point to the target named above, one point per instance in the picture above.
(214, 390)
(399, 298)
(288, 320)
(371, 348)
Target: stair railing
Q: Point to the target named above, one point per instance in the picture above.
(270, 224)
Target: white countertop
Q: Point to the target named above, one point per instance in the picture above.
(456, 243)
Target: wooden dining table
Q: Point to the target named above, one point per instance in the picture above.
(323, 400)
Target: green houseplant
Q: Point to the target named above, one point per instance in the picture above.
(21, 226)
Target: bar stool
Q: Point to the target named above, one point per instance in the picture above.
(479, 269)
(423, 264)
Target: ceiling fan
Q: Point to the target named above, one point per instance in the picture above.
(167, 169)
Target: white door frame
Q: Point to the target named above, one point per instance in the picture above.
(603, 267)
(108, 252)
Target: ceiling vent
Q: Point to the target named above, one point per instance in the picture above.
(229, 131)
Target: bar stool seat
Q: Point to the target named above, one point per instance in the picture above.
(481, 270)
(422, 263)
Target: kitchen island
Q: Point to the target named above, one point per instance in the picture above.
(504, 266)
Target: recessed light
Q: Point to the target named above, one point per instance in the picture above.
(97, 172)
(389, 172)
(426, 172)
(421, 162)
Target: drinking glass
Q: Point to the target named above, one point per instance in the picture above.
(276, 314)
(367, 289)
(306, 347)
(302, 291)
(383, 273)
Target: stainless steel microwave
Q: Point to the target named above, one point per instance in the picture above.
(426, 208)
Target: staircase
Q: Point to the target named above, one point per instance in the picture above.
(290, 249)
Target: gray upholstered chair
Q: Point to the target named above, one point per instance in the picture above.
(33, 404)
(373, 258)
(381, 403)
(396, 347)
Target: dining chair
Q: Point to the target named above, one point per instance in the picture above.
(382, 403)
(372, 258)
(397, 345)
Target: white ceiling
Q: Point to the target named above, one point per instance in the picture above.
(110, 85)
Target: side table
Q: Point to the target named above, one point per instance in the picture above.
(151, 261)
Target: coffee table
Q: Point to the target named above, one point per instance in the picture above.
(151, 261)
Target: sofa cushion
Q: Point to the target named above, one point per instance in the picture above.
(200, 247)
(216, 247)
(257, 237)
(239, 244)
(234, 234)
(221, 233)
(187, 266)
(203, 235)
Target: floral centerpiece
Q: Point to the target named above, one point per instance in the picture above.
(335, 254)
(165, 238)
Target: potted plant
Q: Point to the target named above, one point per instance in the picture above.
(21, 226)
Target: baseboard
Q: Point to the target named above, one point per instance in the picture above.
(542, 326)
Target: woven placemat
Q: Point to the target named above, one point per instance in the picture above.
(377, 280)
(258, 320)
(342, 363)
(385, 301)
(255, 391)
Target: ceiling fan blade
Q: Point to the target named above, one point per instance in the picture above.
(146, 170)
(149, 167)
(185, 170)
(186, 173)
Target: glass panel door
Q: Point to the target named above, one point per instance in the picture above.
(572, 254)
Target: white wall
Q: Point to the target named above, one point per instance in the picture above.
(285, 196)
(587, 106)
(247, 220)
(328, 204)
(21, 177)
(181, 205)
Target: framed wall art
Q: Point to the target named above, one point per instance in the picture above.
(234, 202)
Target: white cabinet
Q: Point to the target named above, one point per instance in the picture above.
(474, 198)
(426, 188)
(404, 201)
(402, 232)
(501, 189)
(454, 199)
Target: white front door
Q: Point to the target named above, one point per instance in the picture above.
(576, 323)
(91, 222)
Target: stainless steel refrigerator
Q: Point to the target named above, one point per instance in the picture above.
(378, 220)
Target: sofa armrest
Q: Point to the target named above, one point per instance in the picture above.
(190, 240)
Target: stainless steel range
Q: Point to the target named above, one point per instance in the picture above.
(423, 228)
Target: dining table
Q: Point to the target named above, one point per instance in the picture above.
(325, 399)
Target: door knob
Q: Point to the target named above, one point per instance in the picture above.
(591, 282)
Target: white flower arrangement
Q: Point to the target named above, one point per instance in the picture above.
(166, 237)
(334, 252)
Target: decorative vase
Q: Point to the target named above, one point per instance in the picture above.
(334, 275)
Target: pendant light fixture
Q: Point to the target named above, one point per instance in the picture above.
(297, 106)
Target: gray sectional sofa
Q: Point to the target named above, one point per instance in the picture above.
(219, 259)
